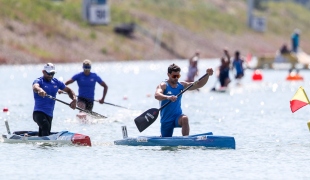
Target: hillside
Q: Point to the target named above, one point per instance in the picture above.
(34, 31)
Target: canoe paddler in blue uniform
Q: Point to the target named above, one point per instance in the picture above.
(238, 65)
(86, 81)
(44, 106)
(172, 115)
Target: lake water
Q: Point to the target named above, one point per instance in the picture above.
(271, 142)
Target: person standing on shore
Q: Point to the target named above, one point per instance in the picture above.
(86, 81)
(193, 67)
(295, 40)
(44, 107)
(172, 115)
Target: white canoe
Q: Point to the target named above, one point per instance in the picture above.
(63, 137)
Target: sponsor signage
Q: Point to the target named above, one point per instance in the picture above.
(96, 11)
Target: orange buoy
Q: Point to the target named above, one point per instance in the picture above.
(257, 75)
(295, 77)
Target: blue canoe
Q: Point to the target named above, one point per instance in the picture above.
(63, 137)
(205, 139)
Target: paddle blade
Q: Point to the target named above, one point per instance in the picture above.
(146, 119)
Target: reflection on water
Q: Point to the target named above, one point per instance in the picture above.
(269, 138)
(181, 148)
(47, 146)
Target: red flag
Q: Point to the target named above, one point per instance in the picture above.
(299, 100)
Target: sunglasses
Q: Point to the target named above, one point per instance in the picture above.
(86, 67)
(50, 74)
(176, 76)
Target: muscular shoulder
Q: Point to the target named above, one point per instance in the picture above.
(163, 85)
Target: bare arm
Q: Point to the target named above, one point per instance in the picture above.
(69, 82)
(37, 89)
(72, 95)
(227, 63)
(201, 83)
(105, 91)
(245, 63)
(159, 93)
(191, 59)
(227, 55)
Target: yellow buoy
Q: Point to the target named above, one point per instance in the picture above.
(308, 123)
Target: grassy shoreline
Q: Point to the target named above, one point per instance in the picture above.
(42, 30)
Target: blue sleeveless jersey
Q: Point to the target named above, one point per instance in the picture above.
(45, 104)
(238, 66)
(173, 110)
(87, 84)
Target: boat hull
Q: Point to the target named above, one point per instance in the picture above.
(206, 140)
(63, 137)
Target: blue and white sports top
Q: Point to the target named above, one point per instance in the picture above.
(45, 104)
(174, 108)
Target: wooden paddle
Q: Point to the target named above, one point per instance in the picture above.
(89, 112)
(149, 116)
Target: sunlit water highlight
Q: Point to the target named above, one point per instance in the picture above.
(271, 142)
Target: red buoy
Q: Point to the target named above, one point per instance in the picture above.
(5, 109)
(257, 75)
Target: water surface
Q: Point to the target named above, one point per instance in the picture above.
(271, 142)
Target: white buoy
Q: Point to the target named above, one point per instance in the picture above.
(6, 111)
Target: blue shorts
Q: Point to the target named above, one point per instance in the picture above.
(167, 128)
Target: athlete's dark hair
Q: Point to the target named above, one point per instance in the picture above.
(237, 53)
(174, 68)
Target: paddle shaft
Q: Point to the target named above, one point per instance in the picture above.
(51, 97)
(103, 102)
(115, 105)
(184, 91)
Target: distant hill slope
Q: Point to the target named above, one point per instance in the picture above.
(34, 31)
